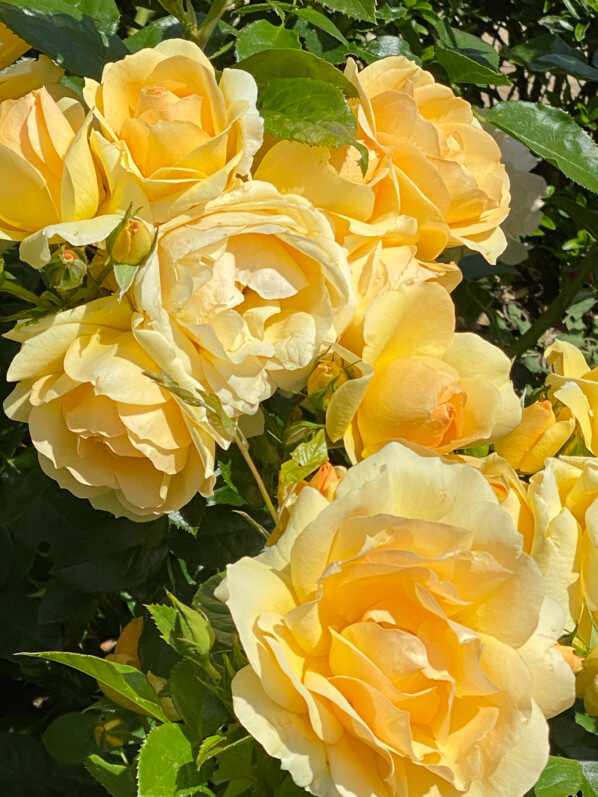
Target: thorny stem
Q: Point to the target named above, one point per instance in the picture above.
(554, 312)
(243, 446)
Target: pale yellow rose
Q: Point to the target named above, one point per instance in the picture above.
(48, 172)
(447, 167)
(575, 385)
(11, 46)
(30, 74)
(538, 436)
(386, 246)
(430, 386)
(399, 640)
(102, 428)
(257, 285)
(564, 500)
(182, 134)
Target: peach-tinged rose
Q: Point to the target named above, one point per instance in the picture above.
(431, 386)
(257, 285)
(48, 172)
(564, 501)
(399, 640)
(183, 135)
(447, 167)
(538, 436)
(575, 385)
(102, 428)
(11, 46)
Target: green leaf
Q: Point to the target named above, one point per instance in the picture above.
(117, 779)
(272, 65)
(364, 10)
(468, 44)
(562, 776)
(69, 738)
(216, 611)
(263, 35)
(198, 706)
(186, 630)
(164, 761)
(152, 34)
(123, 679)
(552, 134)
(578, 213)
(550, 53)
(383, 47)
(462, 69)
(124, 275)
(307, 110)
(321, 21)
(189, 517)
(65, 31)
(305, 459)
(25, 767)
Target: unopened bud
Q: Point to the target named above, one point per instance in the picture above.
(110, 734)
(66, 269)
(132, 244)
(327, 376)
(327, 478)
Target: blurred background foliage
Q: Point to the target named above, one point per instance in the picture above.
(71, 577)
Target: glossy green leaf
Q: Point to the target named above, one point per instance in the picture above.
(152, 34)
(462, 69)
(123, 679)
(163, 761)
(117, 779)
(198, 706)
(550, 53)
(263, 35)
(552, 134)
(305, 459)
(124, 275)
(383, 47)
(66, 33)
(307, 110)
(468, 44)
(357, 9)
(273, 65)
(215, 610)
(563, 777)
(321, 21)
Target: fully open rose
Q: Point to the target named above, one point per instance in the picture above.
(399, 640)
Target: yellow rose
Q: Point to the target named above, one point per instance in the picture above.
(399, 640)
(384, 243)
(101, 427)
(48, 172)
(538, 436)
(447, 166)
(183, 135)
(564, 501)
(430, 386)
(575, 385)
(11, 46)
(30, 74)
(257, 286)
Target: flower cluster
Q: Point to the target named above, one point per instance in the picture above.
(402, 633)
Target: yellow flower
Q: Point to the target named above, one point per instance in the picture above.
(586, 683)
(575, 385)
(538, 436)
(30, 74)
(447, 167)
(180, 133)
(564, 500)
(387, 245)
(256, 285)
(101, 427)
(11, 46)
(48, 172)
(399, 640)
(430, 386)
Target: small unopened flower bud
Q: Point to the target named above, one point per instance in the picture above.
(67, 268)
(327, 376)
(132, 244)
(327, 478)
(110, 734)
